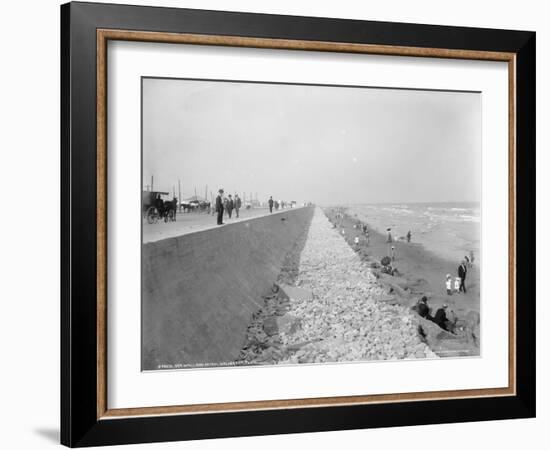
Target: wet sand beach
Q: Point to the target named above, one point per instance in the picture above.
(423, 270)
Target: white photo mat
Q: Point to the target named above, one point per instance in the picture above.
(128, 387)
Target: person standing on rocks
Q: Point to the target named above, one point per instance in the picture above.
(409, 236)
(462, 270)
(440, 317)
(238, 204)
(423, 309)
(219, 206)
(270, 203)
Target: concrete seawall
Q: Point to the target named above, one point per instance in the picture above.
(199, 290)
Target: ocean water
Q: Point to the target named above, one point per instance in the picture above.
(450, 230)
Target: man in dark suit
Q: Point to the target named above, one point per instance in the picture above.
(230, 205)
(270, 202)
(462, 270)
(238, 204)
(219, 206)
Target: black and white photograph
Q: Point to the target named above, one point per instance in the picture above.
(289, 224)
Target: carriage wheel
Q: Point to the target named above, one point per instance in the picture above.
(152, 215)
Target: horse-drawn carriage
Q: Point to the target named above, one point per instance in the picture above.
(155, 207)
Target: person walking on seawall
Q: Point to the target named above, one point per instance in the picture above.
(219, 206)
(237, 205)
(409, 236)
(175, 207)
(462, 270)
(225, 201)
(230, 205)
(270, 203)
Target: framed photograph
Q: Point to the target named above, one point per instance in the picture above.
(277, 224)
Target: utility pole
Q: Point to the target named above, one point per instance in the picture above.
(179, 191)
(206, 193)
(195, 192)
(152, 189)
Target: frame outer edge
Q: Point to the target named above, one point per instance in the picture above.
(78, 428)
(65, 219)
(526, 224)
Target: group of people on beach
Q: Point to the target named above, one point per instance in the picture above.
(227, 204)
(460, 280)
(442, 317)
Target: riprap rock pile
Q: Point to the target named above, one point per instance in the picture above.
(333, 316)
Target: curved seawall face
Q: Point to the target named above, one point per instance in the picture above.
(199, 290)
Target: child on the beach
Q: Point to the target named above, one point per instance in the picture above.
(448, 285)
(457, 284)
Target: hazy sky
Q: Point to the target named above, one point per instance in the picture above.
(324, 144)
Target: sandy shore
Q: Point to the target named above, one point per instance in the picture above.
(420, 272)
(423, 271)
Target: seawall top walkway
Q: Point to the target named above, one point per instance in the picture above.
(192, 222)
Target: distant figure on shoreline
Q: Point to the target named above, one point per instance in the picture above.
(219, 207)
(389, 241)
(270, 203)
(230, 205)
(462, 270)
(393, 253)
(367, 237)
(238, 204)
(409, 236)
